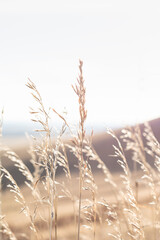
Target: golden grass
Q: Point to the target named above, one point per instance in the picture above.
(84, 204)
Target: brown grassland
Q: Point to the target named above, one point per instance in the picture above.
(68, 191)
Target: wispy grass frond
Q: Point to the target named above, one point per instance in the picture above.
(5, 230)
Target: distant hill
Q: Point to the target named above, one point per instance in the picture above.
(103, 146)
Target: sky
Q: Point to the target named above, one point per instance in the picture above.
(118, 41)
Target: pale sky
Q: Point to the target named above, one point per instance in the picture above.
(118, 41)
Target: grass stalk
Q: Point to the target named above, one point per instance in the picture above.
(80, 92)
(80, 199)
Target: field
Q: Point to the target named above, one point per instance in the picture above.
(66, 229)
(81, 187)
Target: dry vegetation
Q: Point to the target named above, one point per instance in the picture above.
(83, 204)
